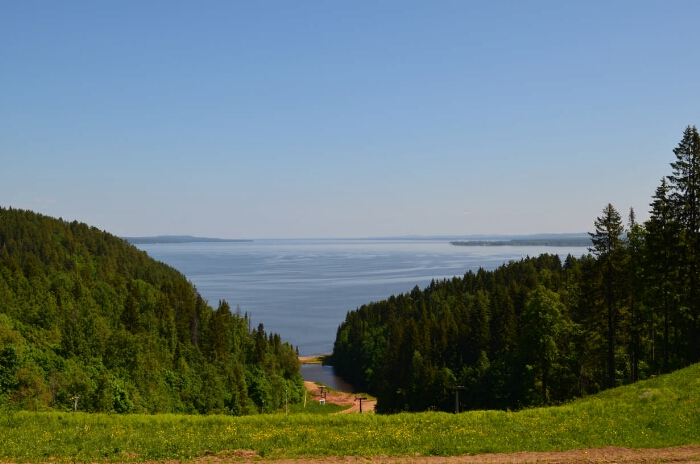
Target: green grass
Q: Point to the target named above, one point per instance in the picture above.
(660, 412)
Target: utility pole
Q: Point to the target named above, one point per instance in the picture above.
(457, 388)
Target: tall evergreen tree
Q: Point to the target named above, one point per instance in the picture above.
(635, 291)
(608, 246)
(685, 199)
(661, 265)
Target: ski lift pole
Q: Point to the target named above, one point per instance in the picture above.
(360, 399)
(457, 388)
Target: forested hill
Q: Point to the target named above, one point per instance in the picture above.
(85, 314)
(538, 331)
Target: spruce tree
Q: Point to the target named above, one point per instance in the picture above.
(608, 246)
(685, 200)
(661, 265)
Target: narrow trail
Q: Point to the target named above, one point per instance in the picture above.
(340, 398)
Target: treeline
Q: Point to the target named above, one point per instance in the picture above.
(85, 314)
(540, 331)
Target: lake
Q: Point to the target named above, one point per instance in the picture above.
(302, 289)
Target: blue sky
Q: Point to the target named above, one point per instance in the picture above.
(277, 119)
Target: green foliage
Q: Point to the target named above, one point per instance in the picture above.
(85, 314)
(505, 335)
(542, 323)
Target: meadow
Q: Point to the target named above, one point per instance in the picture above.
(655, 413)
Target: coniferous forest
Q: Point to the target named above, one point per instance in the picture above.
(539, 331)
(84, 314)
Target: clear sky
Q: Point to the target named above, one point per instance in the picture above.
(276, 119)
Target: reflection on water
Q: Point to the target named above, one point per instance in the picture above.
(326, 375)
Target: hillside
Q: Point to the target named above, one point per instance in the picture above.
(86, 315)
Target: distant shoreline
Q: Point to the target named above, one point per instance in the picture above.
(554, 242)
(179, 239)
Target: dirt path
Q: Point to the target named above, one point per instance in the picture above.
(682, 454)
(341, 398)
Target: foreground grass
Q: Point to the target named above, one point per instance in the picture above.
(657, 413)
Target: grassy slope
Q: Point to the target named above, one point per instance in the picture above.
(660, 412)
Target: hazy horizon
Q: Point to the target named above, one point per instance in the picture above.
(383, 237)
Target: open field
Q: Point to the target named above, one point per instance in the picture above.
(657, 413)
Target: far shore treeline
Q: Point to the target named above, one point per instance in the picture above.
(539, 331)
(86, 315)
(170, 239)
(556, 241)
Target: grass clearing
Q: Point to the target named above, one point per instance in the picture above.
(655, 413)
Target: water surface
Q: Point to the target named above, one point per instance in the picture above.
(325, 375)
(302, 289)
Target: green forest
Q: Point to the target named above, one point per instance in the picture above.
(538, 331)
(86, 317)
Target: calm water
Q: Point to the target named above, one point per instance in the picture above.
(302, 289)
(326, 375)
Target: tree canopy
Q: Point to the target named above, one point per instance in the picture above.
(85, 314)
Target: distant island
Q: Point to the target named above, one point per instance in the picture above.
(178, 239)
(554, 241)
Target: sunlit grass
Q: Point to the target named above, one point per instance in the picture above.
(656, 413)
